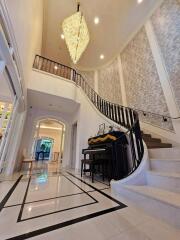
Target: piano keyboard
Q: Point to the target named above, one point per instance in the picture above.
(86, 151)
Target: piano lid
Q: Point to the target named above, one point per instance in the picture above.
(108, 137)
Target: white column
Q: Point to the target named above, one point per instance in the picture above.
(122, 83)
(96, 87)
(164, 77)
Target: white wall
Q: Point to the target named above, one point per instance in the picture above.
(27, 21)
(88, 118)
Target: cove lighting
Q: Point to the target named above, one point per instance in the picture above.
(96, 20)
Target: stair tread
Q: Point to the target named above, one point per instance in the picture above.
(165, 174)
(162, 195)
(158, 145)
(165, 159)
(153, 143)
(152, 140)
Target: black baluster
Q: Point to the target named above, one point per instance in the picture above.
(123, 117)
(127, 117)
(133, 151)
(112, 111)
(115, 114)
(119, 115)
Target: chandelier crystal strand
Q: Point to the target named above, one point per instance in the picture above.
(76, 35)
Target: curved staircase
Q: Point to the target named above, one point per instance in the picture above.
(160, 195)
(160, 192)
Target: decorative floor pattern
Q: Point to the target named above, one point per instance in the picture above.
(65, 206)
(41, 204)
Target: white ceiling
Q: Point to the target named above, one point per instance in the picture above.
(119, 20)
(51, 103)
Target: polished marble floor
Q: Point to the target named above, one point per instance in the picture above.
(61, 205)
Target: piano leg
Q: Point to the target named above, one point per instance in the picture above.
(92, 172)
(81, 169)
(103, 171)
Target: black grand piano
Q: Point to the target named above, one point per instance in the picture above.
(107, 154)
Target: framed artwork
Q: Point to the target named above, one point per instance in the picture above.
(101, 129)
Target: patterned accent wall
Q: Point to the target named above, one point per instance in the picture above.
(89, 77)
(166, 23)
(109, 83)
(143, 87)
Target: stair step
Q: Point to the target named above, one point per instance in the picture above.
(168, 153)
(166, 180)
(164, 196)
(146, 135)
(165, 159)
(165, 165)
(165, 174)
(158, 145)
(148, 139)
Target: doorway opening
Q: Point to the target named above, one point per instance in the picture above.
(48, 144)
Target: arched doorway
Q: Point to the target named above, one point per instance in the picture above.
(48, 143)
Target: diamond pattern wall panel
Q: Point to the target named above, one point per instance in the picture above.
(109, 83)
(143, 87)
(166, 23)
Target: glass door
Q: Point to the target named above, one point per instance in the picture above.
(7, 110)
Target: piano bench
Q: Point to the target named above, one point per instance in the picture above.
(83, 166)
(91, 169)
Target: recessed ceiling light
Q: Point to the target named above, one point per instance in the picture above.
(96, 20)
(101, 56)
(139, 1)
(62, 36)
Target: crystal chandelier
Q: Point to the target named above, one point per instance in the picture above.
(76, 34)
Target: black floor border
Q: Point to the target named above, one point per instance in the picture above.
(103, 193)
(24, 200)
(63, 224)
(79, 188)
(50, 213)
(46, 199)
(96, 180)
(72, 221)
(63, 210)
(6, 198)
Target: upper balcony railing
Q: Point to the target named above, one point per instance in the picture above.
(123, 116)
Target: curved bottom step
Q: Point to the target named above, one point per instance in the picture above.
(159, 203)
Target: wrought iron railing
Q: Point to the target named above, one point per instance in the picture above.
(123, 116)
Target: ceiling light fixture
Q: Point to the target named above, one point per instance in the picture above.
(62, 36)
(96, 20)
(101, 56)
(55, 67)
(139, 1)
(76, 34)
